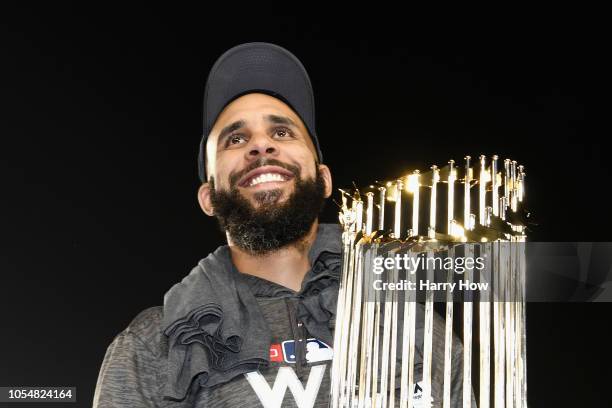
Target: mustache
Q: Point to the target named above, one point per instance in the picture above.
(234, 177)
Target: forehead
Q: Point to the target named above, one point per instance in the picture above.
(251, 105)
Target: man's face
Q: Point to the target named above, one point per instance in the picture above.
(268, 189)
(259, 146)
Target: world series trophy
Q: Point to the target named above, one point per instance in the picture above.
(442, 215)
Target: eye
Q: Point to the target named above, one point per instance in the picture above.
(235, 139)
(283, 133)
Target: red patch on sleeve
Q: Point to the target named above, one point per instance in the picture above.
(276, 353)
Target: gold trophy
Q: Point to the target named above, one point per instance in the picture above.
(472, 211)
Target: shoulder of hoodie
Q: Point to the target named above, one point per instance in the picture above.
(146, 328)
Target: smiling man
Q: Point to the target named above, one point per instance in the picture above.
(252, 324)
(237, 330)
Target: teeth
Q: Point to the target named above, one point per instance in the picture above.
(266, 177)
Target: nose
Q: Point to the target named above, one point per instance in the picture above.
(261, 145)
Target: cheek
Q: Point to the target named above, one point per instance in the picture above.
(304, 157)
(309, 167)
(226, 164)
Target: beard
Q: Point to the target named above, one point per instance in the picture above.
(271, 226)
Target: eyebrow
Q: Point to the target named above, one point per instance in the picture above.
(280, 120)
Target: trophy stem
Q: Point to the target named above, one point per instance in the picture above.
(499, 326)
(452, 176)
(408, 342)
(467, 335)
(428, 335)
(485, 329)
(448, 336)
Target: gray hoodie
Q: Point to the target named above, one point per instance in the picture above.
(226, 339)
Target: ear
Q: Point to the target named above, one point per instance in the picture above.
(327, 179)
(204, 199)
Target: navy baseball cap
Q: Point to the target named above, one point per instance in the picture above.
(257, 67)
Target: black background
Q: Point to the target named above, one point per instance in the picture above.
(101, 119)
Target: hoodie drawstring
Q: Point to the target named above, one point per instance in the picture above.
(299, 336)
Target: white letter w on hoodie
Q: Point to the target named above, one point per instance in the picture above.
(286, 378)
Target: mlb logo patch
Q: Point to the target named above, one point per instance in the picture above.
(316, 351)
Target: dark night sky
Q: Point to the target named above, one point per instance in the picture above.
(101, 119)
